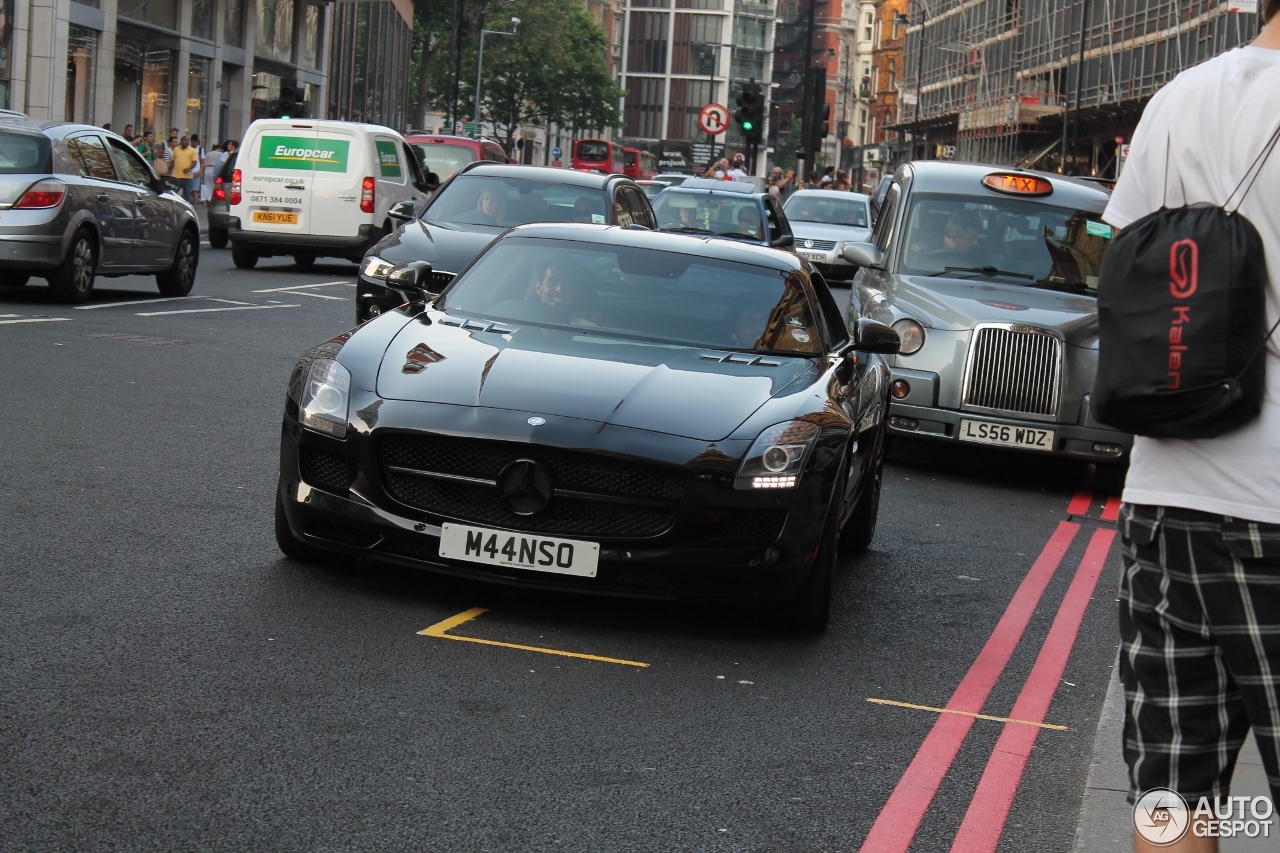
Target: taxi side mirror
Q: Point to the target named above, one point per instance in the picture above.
(874, 336)
(863, 255)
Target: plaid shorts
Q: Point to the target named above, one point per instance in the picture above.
(1200, 648)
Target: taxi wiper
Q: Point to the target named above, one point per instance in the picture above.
(1069, 286)
(983, 271)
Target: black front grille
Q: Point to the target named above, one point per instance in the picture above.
(754, 525)
(327, 470)
(615, 498)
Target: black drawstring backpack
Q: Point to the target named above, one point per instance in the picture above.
(1182, 320)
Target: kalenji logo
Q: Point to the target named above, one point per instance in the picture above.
(1184, 278)
(1184, 268)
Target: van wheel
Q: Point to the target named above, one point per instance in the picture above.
(217, 238)
(244, 260)
(304, 260)
(178, 279)
(72, 281)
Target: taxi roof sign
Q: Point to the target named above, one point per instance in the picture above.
(1015, 184)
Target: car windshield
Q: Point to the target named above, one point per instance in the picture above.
(1012, 241)
(507, 202)
(832, 210)
(444, 160)
(24, 154)
(704, 213)
(641, 295)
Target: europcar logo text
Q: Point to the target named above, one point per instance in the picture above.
(292, 152)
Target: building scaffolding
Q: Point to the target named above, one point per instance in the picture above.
(997, 78)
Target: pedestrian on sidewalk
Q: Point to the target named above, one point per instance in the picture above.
(185, 162)
(1200, 524)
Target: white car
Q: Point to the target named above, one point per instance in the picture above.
(823, 222)
(309, 188)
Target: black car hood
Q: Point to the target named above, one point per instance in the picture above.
(669, 389)
(448, 248)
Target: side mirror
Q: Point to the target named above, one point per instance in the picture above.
(863, 255)
(403, 211)
(785, 242)
(172, 183)
(874, 336)
(414, 280)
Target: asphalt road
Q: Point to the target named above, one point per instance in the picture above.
(171, 682)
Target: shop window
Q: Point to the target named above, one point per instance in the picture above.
(310, 36)
(233, 22)
(142, 92)
(202, 18)
(197, 96)
(159, 13)
(275, 29)
(82, 50)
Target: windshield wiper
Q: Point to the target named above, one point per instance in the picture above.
(738, 234)
(688, 230)
(1071, 286)
(983, 271)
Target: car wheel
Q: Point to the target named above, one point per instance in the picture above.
(810, 609)
(243, 259)
(73, 281)
(217, 238)
(304, 260)
(861, 526)
(291, 546)
(178, 279)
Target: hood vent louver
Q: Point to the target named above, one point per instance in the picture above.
(739, 358)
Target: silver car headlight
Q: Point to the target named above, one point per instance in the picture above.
(325, 397)
(912, 335)
(376, 268)
(776, 459)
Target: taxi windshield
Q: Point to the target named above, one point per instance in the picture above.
(1012, 241)
(641, 295)
(507, 202)
(704, 213)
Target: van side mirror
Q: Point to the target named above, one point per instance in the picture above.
(863, 255)
(414, 280)
(403, 211)
(874, 336)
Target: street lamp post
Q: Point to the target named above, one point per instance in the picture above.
(704, 48)
(515, 22)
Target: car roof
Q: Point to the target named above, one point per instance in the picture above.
(716, 184)
(320, 124)
(941, 176)
(573, 177)
(663, 241)
(828, 194)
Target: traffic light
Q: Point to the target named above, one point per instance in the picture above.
(750, 113)
(290, 99)
(817, 112)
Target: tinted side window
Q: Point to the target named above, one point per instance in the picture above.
(778, 226)
(635, 205)
(837, 332)
(884, 225)
(91, 158)
(415, 170)
(131, 166)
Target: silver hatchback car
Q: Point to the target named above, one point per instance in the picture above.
(990, 277)
(78, 201)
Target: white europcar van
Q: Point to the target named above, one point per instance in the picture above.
(310, 187)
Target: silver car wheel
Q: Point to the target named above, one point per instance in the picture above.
(82, 265)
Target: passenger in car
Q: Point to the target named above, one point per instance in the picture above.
(749, 221)
(489, 207)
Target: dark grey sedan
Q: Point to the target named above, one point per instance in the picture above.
(77, 202)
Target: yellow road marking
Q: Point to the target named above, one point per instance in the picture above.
(1056, 728)
(441, 629)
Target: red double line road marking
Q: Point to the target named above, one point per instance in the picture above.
(896, 825)
(989, 810)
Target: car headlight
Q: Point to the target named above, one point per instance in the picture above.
(912, 335)
(325, 394)
(375, 267)
(776, 459)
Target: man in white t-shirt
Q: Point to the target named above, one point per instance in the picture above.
(737, 173)
(1200, 525)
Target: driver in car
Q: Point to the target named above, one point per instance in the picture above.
(960, 236)
(489, 208)
(562, 286)
(748, 221)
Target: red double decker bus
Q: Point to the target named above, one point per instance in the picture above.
(638, 165)
(598, 154)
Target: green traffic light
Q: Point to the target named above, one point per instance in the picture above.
(747, 126)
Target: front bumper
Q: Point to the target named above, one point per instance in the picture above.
(268, 244)
(706, 554)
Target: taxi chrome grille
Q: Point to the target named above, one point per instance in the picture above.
(817, 245)
(594, 496)
(1014, 370)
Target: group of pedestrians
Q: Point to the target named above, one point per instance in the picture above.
(183, 157)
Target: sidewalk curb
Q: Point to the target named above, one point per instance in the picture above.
(1105, 821)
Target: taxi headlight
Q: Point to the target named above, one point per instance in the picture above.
(325, 395)
(912, 335)
(376, 268)
(776, 459)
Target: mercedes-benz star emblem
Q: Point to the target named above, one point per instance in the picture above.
(525, 487)
(808, 244)
(537, 421)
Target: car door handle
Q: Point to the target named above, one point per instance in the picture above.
(103, 197)
(295, 186)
